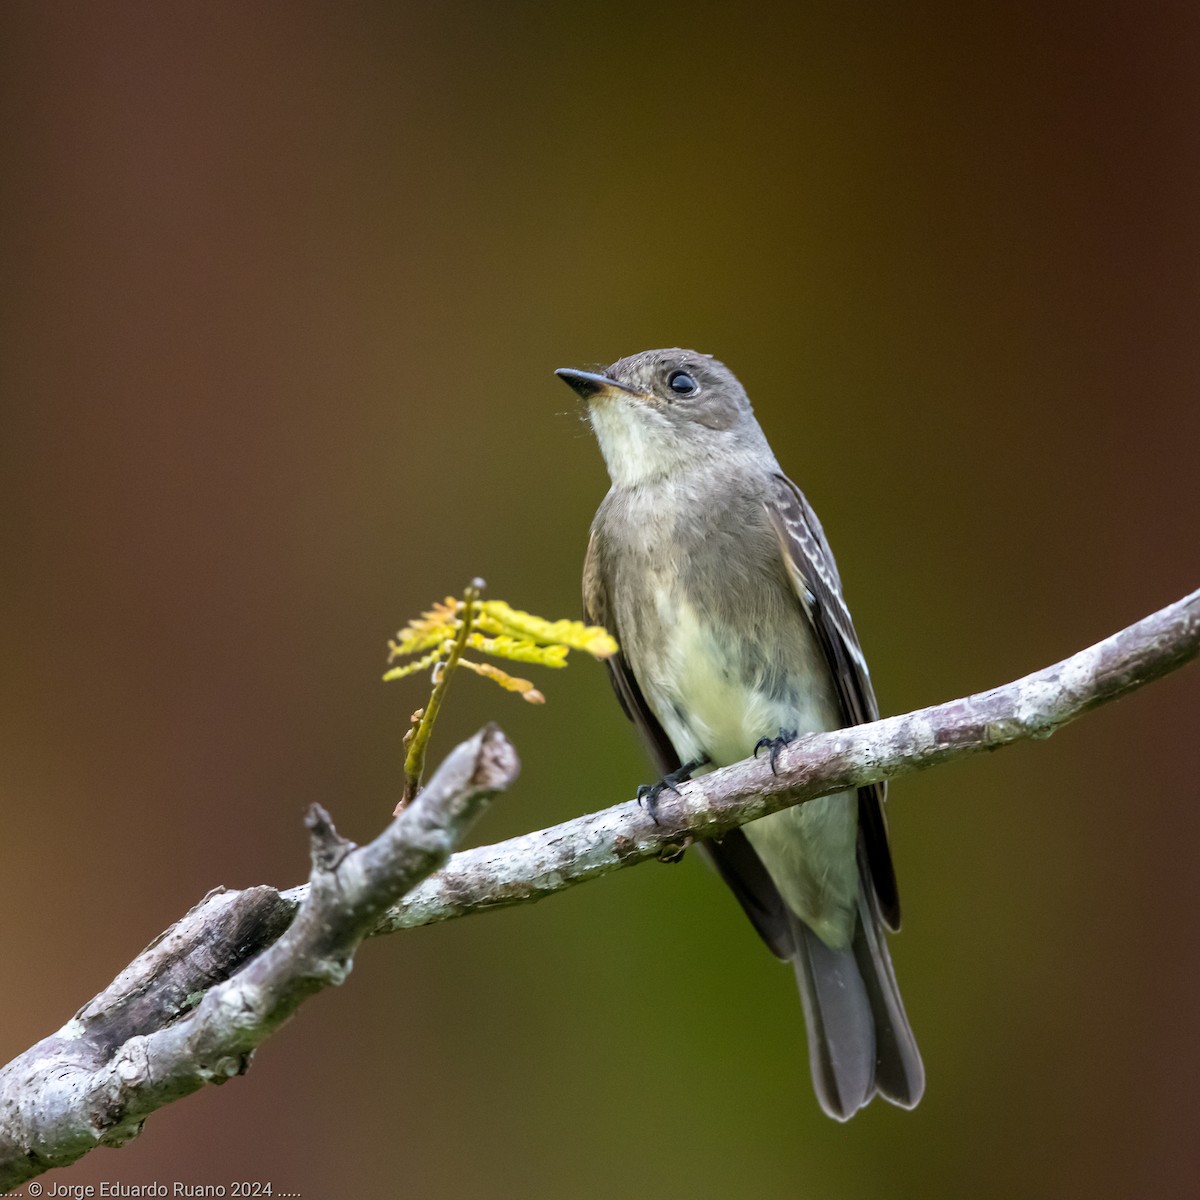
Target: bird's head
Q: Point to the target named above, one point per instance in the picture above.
(665, 412)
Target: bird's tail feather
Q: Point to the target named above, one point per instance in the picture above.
(859, 1039)
(841, 1028)
(899, 1072)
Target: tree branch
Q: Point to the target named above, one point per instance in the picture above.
(193, 1006)
(527, 868)
(141, 1044)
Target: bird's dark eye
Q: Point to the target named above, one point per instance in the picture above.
(682, 384)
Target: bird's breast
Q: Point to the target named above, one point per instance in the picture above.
(721, 686)
(709, 623)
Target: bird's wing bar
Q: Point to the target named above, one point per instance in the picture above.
(813, 573)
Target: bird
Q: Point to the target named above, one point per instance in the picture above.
(712, 572)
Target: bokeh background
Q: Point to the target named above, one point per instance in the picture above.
(283, 288)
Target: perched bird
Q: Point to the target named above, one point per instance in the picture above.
(708, 566)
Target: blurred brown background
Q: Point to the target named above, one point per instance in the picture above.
(283, 289)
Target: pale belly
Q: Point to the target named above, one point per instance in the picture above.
(713, 709)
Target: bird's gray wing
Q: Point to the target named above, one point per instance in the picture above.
(598, 611)
(814, 577)
(733, 856)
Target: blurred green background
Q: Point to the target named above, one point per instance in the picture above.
(283, 289)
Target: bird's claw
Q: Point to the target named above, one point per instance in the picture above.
(775, 744)
(673, 852)
(649, 794)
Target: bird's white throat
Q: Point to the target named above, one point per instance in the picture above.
(635, 440)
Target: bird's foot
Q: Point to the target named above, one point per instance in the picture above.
(649, 794)
(775, 744)
(673, 852)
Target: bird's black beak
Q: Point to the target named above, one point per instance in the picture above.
(589, 384)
